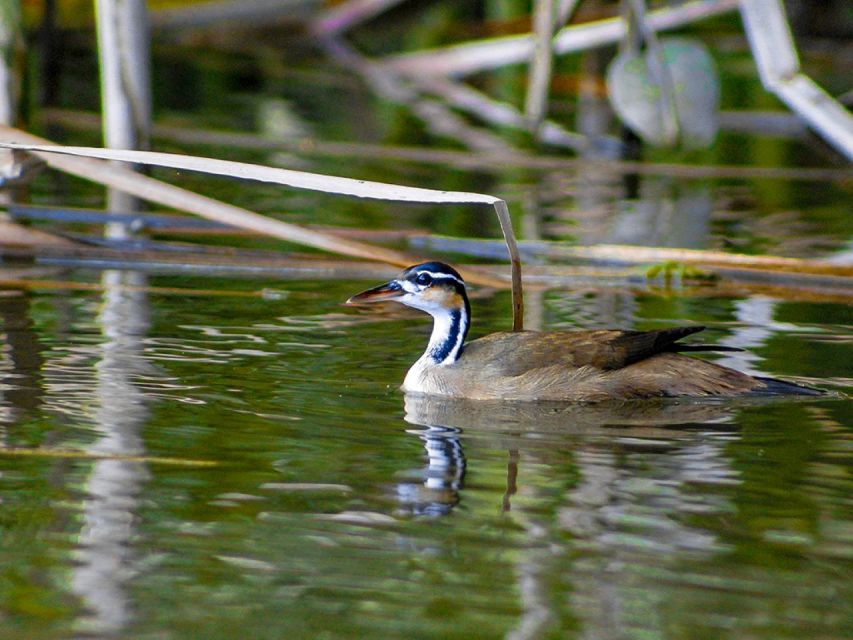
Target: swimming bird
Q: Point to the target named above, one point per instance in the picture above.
(573, 366)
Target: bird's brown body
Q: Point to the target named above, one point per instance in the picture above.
(579, 366)
(566, 366)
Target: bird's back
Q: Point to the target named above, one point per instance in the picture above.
(585, 366)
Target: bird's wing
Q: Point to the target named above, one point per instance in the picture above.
(606, 349)
(633, 346)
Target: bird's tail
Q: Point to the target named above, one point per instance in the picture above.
(774, 387)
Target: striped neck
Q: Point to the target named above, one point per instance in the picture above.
(450, 326)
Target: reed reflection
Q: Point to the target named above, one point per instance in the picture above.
(104, 554)
(757, 326)
(21, 358)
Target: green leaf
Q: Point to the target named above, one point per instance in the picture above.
(639, 100)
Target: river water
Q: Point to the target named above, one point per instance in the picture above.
(251, 468)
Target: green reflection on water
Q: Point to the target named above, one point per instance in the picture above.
(641, 521)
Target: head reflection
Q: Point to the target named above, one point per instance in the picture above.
(435, 490)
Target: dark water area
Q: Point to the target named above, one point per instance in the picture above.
(213, 456)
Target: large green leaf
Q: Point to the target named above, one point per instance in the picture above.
(678, 105)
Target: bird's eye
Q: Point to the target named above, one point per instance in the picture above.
(424, 279)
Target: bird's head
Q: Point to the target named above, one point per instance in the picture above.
(434, 287)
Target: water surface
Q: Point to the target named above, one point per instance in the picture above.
(335, 507)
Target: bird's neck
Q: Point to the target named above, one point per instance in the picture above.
(450, 326)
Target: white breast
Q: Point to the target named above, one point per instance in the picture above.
(421, 377)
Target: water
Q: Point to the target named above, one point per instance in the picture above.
(191, 457)
(332, 506)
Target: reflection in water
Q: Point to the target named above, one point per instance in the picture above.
(755, 314)
(641, 418)
(437, 490)
(103, 552)
(20, 358)
(662, 215)
(511, 480)
(655, 212)
(679, 443)
(637, 466)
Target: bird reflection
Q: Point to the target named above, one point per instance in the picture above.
(632, 471)
(683, 441)
(436, 489)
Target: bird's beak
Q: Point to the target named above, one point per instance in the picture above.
(388, 291)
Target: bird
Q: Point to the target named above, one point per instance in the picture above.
(565, 366)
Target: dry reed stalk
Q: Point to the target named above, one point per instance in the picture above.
(15, 234)
(472, 160)
(82, 162)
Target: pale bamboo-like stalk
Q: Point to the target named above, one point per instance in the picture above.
(515, 260)
(85, 165)
(170, 196)
(11, 45)
(465, 98)
(123, 48)
(482, 161)
(541, 62)
(633, 254)
(438, 119)
(779, 68)
(345, 15)
(565, 9)
(472, 57)
(11, 42)
(650, 255)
